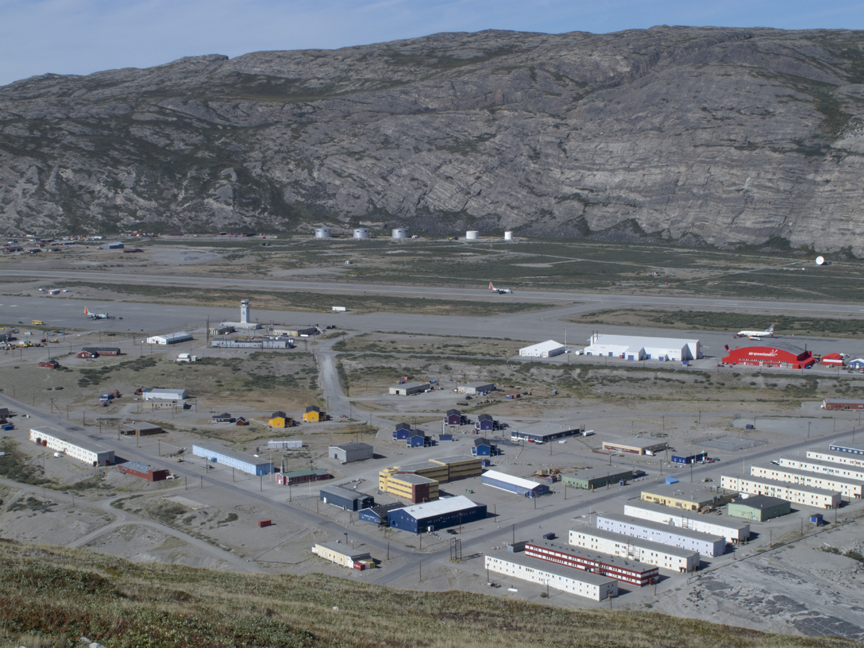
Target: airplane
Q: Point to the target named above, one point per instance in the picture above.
(500, 291)
(756, 335)
(96, 315)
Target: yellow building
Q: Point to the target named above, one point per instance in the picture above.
(682, 498)
(281, 420)
(314, 414)
(410, 487)
(460, 467)
(342, 555)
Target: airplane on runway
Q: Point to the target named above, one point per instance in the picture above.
(500, 291)
(756, 335)
(96, 315)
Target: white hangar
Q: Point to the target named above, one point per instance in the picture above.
(629, 347)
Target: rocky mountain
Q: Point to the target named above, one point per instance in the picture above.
(690, 135)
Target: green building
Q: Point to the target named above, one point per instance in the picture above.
(759, 508)
(597, 478)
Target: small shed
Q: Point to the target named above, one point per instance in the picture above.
(225, 417)
(832, 360)
(280, 420)
(348, 452)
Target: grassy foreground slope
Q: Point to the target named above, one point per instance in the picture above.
(50, 596)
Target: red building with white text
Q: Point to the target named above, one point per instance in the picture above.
(764, 356)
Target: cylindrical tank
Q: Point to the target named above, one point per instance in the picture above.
(361, 233)
(508, 236)
(400, 233)
(472, 235)
(322, 232)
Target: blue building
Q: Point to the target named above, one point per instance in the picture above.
(454, 417)
(402, 432)
(484, 448)
(485, 423)
(690, 459)
(346, 498)
(518, 485)
(440, 514)
(418, 440)
(215, 453)
(378, 514)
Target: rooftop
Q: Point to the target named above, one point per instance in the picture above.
(637, 442)
(761, 502)
(344, 550)
(510, 479)
(606, 559)
(846, 445)
(648, 545)
(640, 340)
(816, 475)
(410, 478)
(679, 491)
(234, 454)
(721, 521)
(353, 446)
(603, 471)
(138, 466)
(410, 385)
(801, 488)
(548, 345)
(453, 460)
(341, 491)
(440, 507)
(300, 473)
(543, 429)
(551, 568)
(658, 526)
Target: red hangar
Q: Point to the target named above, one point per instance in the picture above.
(764, 356)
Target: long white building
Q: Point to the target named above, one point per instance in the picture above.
(824, 467)
(546, 349)
(90, 453)
(631, 347)
(653, 553)
(730, 529)
(795, 493)
(704, 543)
(170, 338)
(850, 488)
(844, 458)
(566, 579)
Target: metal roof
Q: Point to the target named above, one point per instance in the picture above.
(215, 448)
(761, 502)
(797, 487)
(552, 568)
(439, 507)
(641, 341)
(603, 471)
(719, 521)
(343, 492)
(511, 479)
(451, 460)
(606, 559)
(411, 478)
(659, 526)
(648, 545)
(138, 466)
(300, 473)
(679, 491)
(548, 345)
(812, 474)
(353, 446)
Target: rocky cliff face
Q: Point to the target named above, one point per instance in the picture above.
(717, 136)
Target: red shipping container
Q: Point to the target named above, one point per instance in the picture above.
(264, 523)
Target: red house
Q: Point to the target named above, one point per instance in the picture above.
(763, 356)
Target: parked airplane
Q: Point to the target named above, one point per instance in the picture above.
(96, 315)
(756, 335)
(500, 291)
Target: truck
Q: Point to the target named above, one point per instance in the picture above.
(187, 357)
(38, 322)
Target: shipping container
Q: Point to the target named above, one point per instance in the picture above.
(264, 523)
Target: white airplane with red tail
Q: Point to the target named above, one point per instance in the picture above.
(500, 291)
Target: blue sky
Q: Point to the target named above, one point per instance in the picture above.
(83, 36)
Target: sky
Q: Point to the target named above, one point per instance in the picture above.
(84, 36)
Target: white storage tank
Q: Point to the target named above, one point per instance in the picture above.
(400, 233)
(472, 235)
(508, 236)
(361, 233)
(322, 232)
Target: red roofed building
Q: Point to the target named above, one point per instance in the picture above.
(763, 356)
(833, 359)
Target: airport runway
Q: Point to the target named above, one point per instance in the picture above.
(594, 300)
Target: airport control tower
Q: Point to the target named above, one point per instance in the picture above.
(244, 311)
